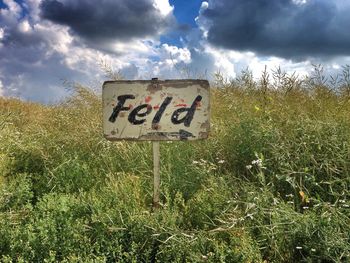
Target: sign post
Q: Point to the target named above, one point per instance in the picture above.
(156, 110)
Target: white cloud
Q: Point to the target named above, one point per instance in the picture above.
(204, 6)
(33, 8)
(12, 8)
(2, 91)
(300, 2)
(2, 36)
(223, 61)
(162, 61)
(163, 6)
(174, 54)
(24, 26)
(134, 46)
(56, 37)
(230, 63)
(42, 54)
(210, 58)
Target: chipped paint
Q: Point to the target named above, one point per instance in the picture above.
(156, 110)
(148, 99)
(205, 125)
(154, 87)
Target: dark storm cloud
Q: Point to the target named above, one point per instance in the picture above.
(107, 19)
(281, 28)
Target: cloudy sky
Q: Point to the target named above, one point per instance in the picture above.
(46, 43)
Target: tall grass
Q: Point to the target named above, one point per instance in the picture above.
(271, 184)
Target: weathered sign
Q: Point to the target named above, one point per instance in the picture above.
(156, 110)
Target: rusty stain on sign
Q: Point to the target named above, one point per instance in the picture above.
(156, 110)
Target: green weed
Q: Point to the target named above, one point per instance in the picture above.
(271, 184)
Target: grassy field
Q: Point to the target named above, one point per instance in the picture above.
(271, 184)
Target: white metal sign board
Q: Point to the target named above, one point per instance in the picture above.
(156, 110)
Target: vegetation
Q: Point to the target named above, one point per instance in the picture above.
(271, 184)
